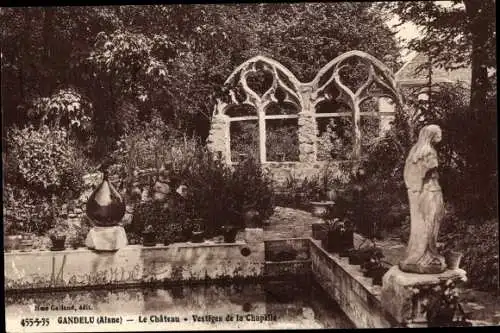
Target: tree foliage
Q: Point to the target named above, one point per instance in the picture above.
(130, 62)
(460, 35)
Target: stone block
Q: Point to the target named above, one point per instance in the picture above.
(254, 235)
(106, 238)
(398, 288)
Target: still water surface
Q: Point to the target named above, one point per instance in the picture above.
(270, 305)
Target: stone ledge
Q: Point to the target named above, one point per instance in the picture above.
(292, 268)
(354, 293)
(132, 265)
(299, 247)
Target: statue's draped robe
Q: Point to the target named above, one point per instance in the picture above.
(426, 212)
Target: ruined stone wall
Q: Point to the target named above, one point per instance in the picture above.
(306, 97)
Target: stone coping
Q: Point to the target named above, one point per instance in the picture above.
(356, 295)
(208, 261)
(134, 247)
(136, 264)
(364, 287)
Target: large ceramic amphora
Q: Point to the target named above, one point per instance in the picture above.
(105, 205)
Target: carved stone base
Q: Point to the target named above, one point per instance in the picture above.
(400, 292)
(106, 238)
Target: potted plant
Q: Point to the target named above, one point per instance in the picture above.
(197, 234)
(339, 235)
(149, 236)
(442, 306)
(58, 237)
(229, 232)
(375, 268)
(14, 239)
(26, 242)
(326, 195)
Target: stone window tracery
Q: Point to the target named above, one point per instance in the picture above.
(330, 118)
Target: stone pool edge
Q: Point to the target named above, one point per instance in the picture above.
(253, 259)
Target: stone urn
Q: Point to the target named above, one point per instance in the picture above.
(321, 208)
(105, 208)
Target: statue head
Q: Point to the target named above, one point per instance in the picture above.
(430, 134)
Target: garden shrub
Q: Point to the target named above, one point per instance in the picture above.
(143, 147)
(216, 194)
(478, 241)
(298, 193)
(25, 212)
(47, 162)
(40, 163)
(467, 152)
(253, 188)
(147, 213)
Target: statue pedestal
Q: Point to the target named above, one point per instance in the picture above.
(106, 238)
(401, 292)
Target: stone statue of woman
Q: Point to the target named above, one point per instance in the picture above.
(426, 205)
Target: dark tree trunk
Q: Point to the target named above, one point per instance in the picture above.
(476, 12)
(25, 52)
(48, 51)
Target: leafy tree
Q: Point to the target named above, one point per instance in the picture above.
(461, 35)
(133, 61)
(456, 36)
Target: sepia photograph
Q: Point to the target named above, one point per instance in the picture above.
(249, 166)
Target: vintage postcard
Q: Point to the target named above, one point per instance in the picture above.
(183, 167)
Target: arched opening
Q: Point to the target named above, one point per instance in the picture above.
(282, 141)
(334, 130)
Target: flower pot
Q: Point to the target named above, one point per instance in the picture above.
(186, 234)
(26, 244)
(339, 239)
(11, 242)
(319, 230)
(58, 243)
(453, 259)
(229, 234)
(197, 237)
(148, 239)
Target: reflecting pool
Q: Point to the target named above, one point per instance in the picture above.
(269, 305)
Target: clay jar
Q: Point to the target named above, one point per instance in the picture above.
(105, 205)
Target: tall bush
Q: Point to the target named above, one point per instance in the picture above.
(45, 161)
(478, 241)
(467, 152)
(39, 164)
(216, 193)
